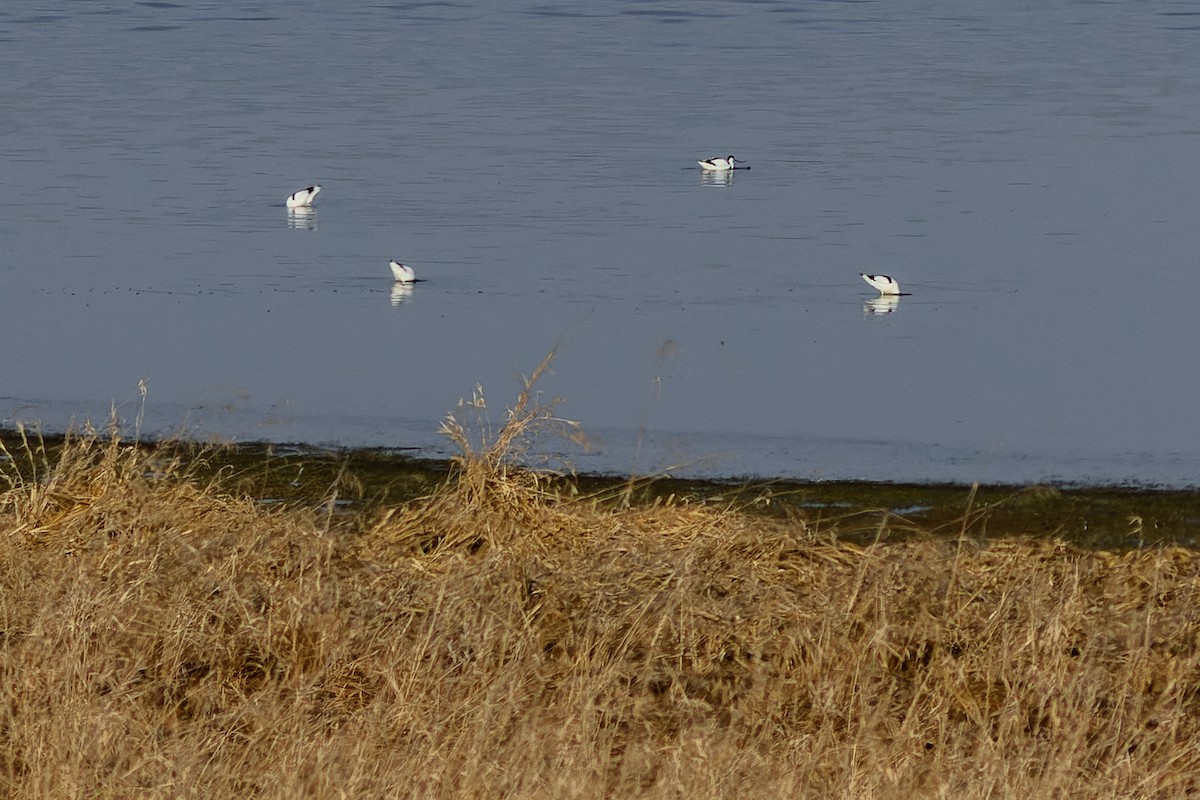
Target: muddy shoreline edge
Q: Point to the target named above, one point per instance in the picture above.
(364, 480)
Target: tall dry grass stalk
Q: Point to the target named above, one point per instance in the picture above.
(162, 637)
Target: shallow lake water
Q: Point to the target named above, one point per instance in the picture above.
(1028, 173)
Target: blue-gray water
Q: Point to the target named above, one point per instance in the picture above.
(1029, 172)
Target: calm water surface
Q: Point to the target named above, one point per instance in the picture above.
(1028, 172)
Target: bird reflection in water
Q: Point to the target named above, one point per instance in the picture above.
(724, 178)
(302, 219)
(401, 293)
(878, 306)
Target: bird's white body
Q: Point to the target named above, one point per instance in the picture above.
(886, 284)
(303, 198)
(718, 164)
(402, 272)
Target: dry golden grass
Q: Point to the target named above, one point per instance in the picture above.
(161, 637)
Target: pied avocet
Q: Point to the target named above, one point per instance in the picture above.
(402, 272)
(719, 164)
(886, 284)
(303, 198)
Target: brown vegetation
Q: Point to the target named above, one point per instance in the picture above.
(161, 635)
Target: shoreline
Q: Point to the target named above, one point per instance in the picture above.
(365, 480)
(615, 452)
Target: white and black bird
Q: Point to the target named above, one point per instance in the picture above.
(402, 273)
(886, 284)
(720, 164)
(303, 198)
